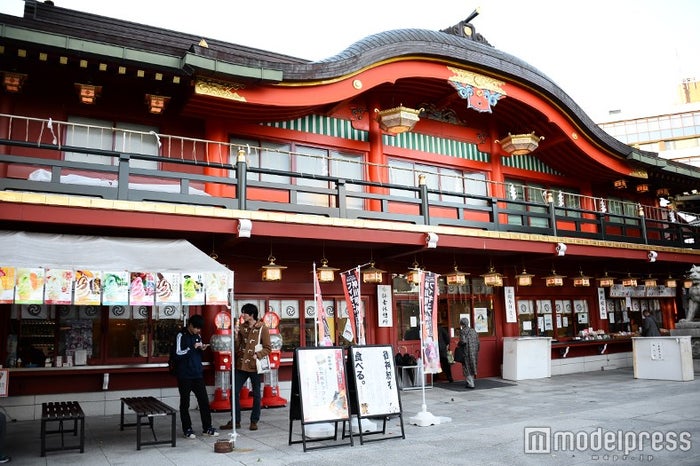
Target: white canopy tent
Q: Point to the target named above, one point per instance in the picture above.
(23, 249)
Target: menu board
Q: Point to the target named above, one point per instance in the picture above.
(322, 384)
(374, 378)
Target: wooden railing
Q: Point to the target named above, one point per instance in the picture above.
(30, 162)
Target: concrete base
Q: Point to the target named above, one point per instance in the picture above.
(598, 362)
(527, 358)
(692, 330)
(663, 358)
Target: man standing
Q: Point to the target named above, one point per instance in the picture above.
(469, 339)
(190, 376)
(250, 332)
(444, 340)
(649, 327)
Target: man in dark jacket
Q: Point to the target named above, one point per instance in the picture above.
(649, 327)
(444, 345)
(190, 376)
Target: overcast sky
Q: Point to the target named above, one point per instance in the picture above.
(606, 54)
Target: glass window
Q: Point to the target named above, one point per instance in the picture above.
(101, 134)
(88, 133)
(475, 183)
(312, 161)
(348, 166)
(401, 174)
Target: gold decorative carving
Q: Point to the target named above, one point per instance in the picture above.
(221, 89)
(639, 173)
(476, 80)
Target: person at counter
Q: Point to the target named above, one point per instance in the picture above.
(649, 326)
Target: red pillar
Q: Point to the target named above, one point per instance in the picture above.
(217, 153)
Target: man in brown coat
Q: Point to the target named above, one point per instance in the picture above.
(249, 332)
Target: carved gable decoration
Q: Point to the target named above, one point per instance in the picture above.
(481, 92)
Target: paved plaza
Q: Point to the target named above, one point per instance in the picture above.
(587, 418)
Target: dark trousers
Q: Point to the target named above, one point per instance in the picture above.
(241, 378)
(446, 366)
(196, 386)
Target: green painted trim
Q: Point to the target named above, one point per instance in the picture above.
(335, 127)
(528, 162)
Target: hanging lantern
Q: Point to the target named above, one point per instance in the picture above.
(398, 119)
(456, 278)
(554, 279)
(413, 275)
(493, 278)
(582, 280)
(670, 282)
(524, 278)
(325, 273)
(629, 281)
(605, 281)
(272, 272)
(372, 274)
(650, 282)
(519, 144)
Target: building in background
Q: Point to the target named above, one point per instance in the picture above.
(674, 133)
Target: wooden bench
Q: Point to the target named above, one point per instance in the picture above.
(61, 411)
(149, 408)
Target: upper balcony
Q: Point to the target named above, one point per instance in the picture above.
(38, 155)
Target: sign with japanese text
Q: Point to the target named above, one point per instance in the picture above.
(385, 313)
(375, 380)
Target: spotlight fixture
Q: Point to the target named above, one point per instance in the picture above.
(13, 82)
(88, 93)
(156, 103)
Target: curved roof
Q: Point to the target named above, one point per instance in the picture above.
(573, 142)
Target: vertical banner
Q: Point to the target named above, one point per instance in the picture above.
(324, 331)
(429, 332)
(509, 293)
(351, 288)
(602, 304)
(385, 314)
